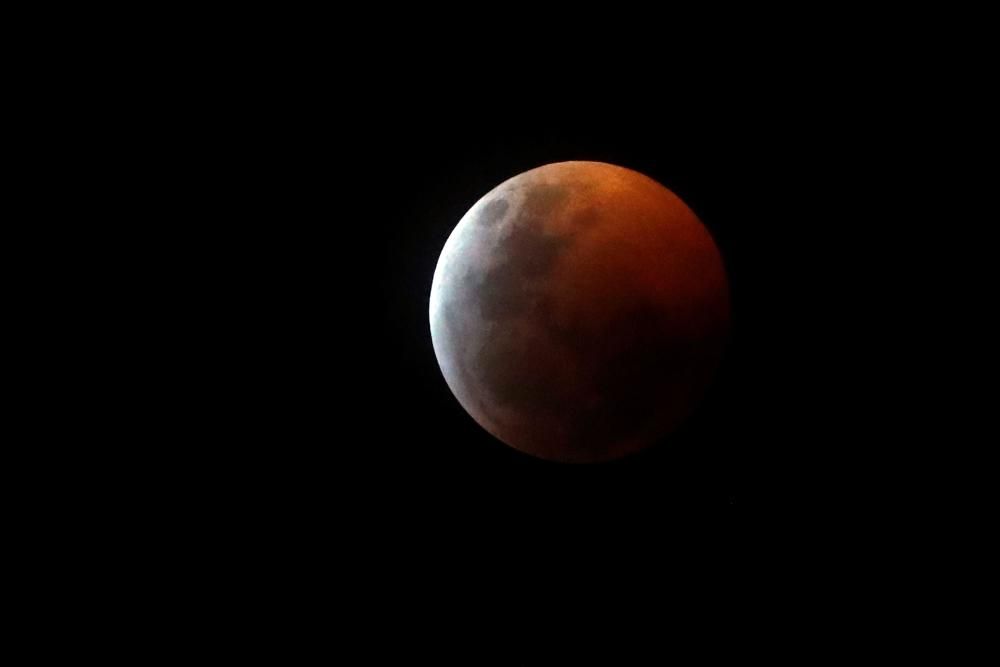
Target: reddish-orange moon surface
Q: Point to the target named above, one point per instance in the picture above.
(579, 311)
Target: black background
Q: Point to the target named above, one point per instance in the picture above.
(255, 206)
(323, 298)
(326, 447)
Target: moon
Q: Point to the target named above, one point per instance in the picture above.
(579, 311)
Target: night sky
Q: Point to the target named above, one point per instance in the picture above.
(334, 437)
(332, 267)
(278, 459)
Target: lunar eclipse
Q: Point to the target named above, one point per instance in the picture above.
(579, 311)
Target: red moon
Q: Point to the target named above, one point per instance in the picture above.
(579, 311)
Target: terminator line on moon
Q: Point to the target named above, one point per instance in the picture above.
(579, 311)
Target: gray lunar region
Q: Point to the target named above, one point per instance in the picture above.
(579, 311)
